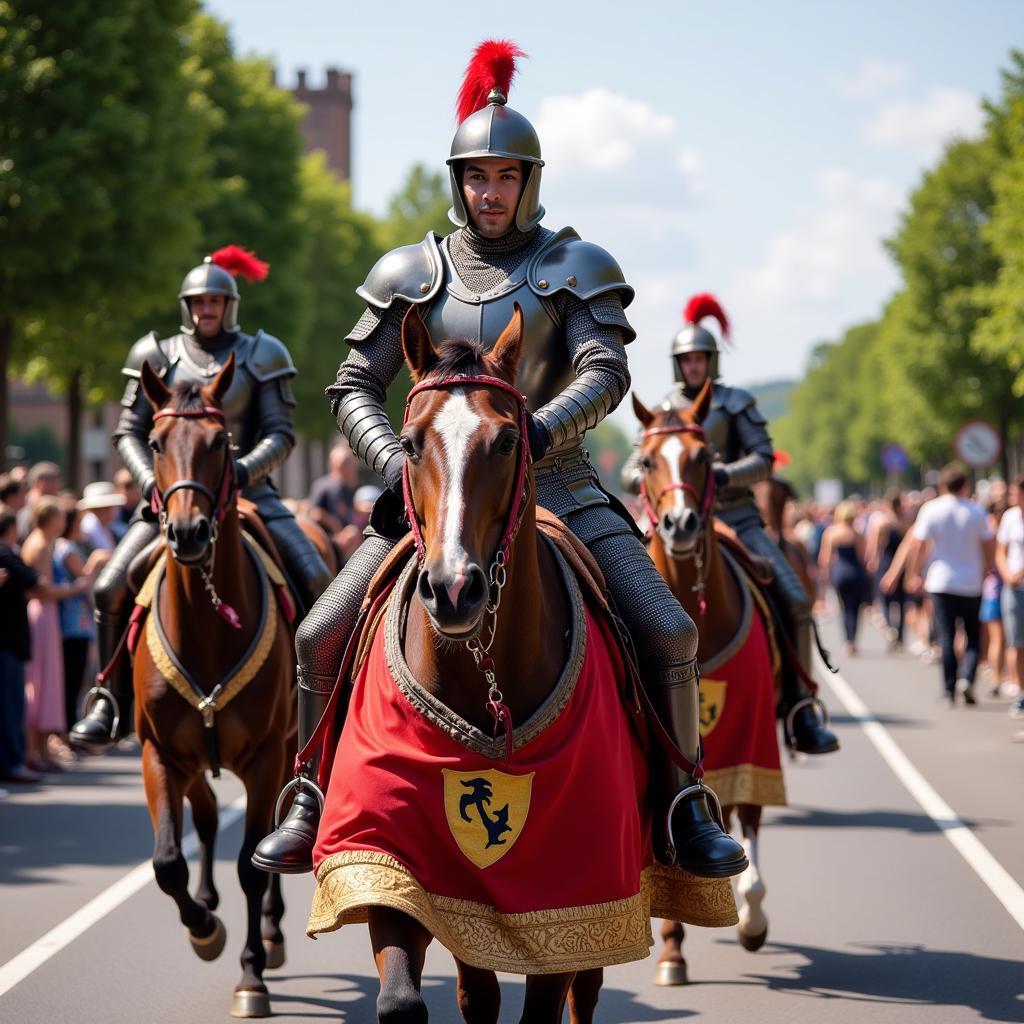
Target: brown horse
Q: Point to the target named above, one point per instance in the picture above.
(451, 682)
(678, 492)
(212, 677)
(772, 496)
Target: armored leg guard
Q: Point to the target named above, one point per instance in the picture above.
(804, 716)
(693, 836)
(108, 708)
(288, 850)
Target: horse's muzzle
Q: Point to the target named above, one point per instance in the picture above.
(189, 538)
(679, 533)
(455, 602)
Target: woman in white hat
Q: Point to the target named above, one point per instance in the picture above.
(100, 502)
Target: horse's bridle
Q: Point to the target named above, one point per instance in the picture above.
(497, 574)
(705, 501)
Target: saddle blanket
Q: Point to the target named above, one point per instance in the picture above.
(737, 722)
(539, 864)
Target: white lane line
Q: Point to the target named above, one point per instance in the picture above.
(1004, 887)
(33, 957)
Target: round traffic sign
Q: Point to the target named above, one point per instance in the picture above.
(978, 444)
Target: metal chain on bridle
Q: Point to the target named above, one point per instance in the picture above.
(497, 575)
(219, 503)
(705, 503)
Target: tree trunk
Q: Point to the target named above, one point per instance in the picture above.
(6, 338)
(74, 453)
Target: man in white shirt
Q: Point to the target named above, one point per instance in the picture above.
(1010, 563)
(962, 548)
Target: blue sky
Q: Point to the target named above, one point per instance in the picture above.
(757, 150)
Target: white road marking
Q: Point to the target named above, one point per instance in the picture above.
(1002, 884)
(456, 423)
(33, 957)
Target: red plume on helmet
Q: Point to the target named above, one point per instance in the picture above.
(236, 260)
(492, 66)
(781, 459)
(704, 305)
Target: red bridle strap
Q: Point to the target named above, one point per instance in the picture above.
(515, 512)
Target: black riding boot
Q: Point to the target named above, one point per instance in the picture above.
(109, 715)
(288, 850)
(690, 830)
(806, 729)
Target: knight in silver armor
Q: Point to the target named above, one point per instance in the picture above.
(573, 372)
(258, 408)
(738, 432)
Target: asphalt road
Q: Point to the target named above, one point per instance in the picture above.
(875, 915)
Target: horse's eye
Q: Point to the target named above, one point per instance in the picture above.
(154, 444)
(409, 448)
(647, 462)
(219, 442)
(507, 445)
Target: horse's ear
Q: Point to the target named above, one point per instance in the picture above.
(643, 414)
(158, 393)
(509, 346)
(702, 404)
(218, 387)
(419, 350)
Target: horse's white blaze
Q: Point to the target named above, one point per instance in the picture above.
(672, 453)
(456, 423)
(751, 889)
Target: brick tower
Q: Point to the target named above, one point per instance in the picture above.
(328, 123)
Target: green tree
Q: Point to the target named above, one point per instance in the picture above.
(101, 152)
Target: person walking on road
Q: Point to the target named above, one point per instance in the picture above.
(962, 548)
(1010, 563)
(841, 563)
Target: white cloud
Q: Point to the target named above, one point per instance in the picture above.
(873, 79)
(926, 125)
(598, 130)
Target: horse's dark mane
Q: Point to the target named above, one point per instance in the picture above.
(187, 397)
(460, 356)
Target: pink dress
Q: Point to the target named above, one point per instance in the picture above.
(44, 674)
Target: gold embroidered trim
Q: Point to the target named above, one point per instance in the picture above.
(748, 784)
(535, 942)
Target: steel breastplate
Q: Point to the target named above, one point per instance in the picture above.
(457, 312)
(241, 411)
(717, 425)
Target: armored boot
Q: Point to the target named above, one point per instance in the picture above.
(692, 832)
(804, 716)
(108, 707)
(288, 850)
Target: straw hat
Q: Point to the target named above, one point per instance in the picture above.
(101, 494)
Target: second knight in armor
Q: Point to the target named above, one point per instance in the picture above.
(573, 372)
(258, 408)
(744, 455)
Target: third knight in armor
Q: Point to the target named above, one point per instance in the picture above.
(744, 456)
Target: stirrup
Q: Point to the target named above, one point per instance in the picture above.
(94, 695)
(686, 794)
(820, 710)
(299, 782)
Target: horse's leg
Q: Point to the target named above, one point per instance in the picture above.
(164, 795)
(753, 926)
(479, 994)
(545, 998)
(204, 817)
(273, 911)
(671, 964)
(261, 777)
(399, 948)
(583, 993)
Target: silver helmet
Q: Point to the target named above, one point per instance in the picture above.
(209, 279)
(491, 128)
(694, 338)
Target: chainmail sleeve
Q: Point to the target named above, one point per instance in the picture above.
(595, 334)
(632, 470)
(756, 465)
(358, 393)
(131, 435)
(277, 430)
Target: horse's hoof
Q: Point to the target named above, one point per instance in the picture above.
(210, 947)
(275, 954)
(250, 1003)
(671, 972)
(752, 943)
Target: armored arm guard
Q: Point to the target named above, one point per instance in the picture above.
(632, 471)
(271, 366)
(752, 439)
(131, 435)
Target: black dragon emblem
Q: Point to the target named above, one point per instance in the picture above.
(479, 796)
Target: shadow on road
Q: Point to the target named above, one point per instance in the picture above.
(913, 974)
(895, 721)
(908, 821)
(356, 1001)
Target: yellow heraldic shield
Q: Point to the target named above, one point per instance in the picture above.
(712, 704)
(486, 811)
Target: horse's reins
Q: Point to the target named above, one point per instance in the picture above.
(219, 503)
(497, 574)
(705, 502)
